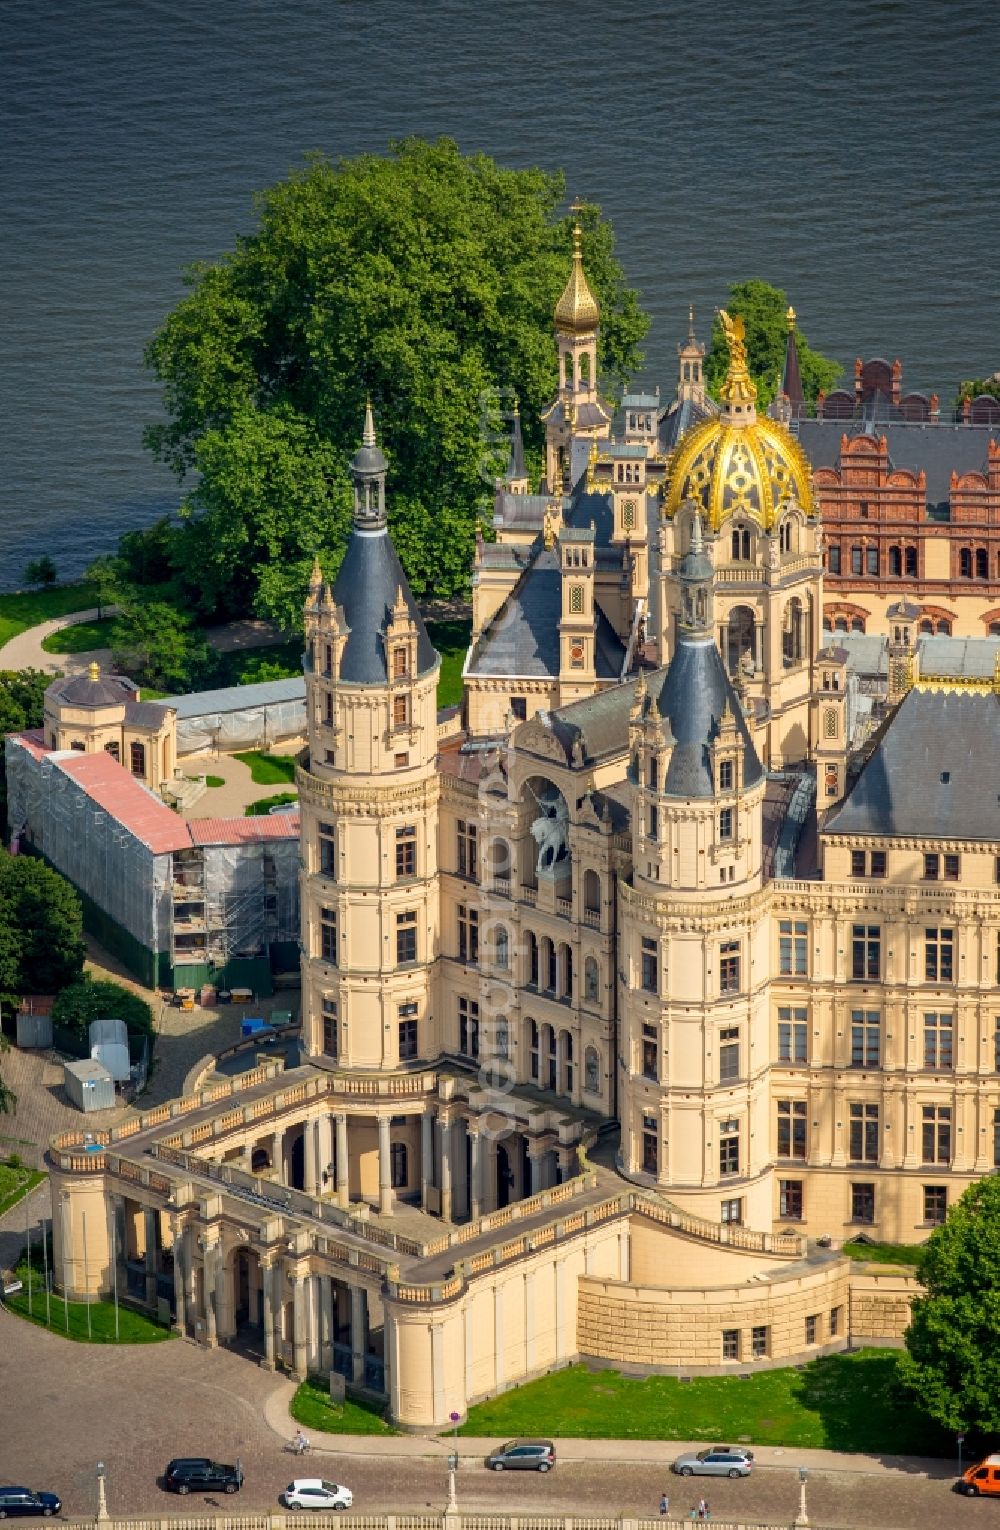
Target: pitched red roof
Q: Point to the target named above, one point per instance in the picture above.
(111, 787)
(244, 831)
(33, 740)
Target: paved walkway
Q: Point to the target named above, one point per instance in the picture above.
(25, 651)
(239, 789)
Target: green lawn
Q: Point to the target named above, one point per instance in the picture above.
(264, 806)
(215, 780)
(311, 1407)
(886, 1253)
(849, 1402)
(283, 661)
(133, 1327)
(451, 639)
(15, 1182)
(80, 638)
(268, 769)
(29, 607)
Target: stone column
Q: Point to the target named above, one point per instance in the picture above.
(300, 1363)
(225, 1326)
(476, 1175)
(536, 1168)
(445, 1128)
(359, 1337)
(210, 1261)
(310, 1177)
(343, 1163)
(325, 1323)
(278, 1155)
(426, 1156)
(567, 1163)
(116, 1242)
(180, 1277)
(324, 1153)
(270, 1276)
(151, 1218)
(384, 1167)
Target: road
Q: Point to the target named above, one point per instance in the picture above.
(65, 1406)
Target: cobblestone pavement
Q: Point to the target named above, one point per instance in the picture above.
(67, 1406)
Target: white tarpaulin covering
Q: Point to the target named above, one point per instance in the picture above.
(109, 1045)
(240, 717)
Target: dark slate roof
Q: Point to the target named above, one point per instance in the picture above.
(679, 418)
(693, 696)
(145, 714)
(108, 691)
(933, 773)
(939, 450)
(521, 509)
(624, 449)
(523, 636)
(366, 588)
(791, 379)
(640, 401)
(594, 505)
(515, 464)
(599, 722)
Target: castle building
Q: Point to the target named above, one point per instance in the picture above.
(629, 994)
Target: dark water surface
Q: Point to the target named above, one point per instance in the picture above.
(844, 151)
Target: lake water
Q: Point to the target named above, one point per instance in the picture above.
(845, 152)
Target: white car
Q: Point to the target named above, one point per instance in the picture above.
(317, 1493)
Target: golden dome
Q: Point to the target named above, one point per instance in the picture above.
(735, 463)
(577, 311)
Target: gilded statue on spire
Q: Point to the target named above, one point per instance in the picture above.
(739, 387)
(735, 332)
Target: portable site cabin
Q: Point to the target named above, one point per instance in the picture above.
(89, 1085)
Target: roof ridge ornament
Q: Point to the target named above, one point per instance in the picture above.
(368, 433)
(739, 389)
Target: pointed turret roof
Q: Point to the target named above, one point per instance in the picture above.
(577, 311)
(791, 377)
(515, 465)
(694, 697)
(371, 581)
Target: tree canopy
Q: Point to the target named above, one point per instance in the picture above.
(425, 278)
(975, 387)
(22, 705)
(952, 1363)
(99, 999)
(763, 309)
(41, 928)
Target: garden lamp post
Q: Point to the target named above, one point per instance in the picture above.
(102, 1497)
(453, 1463)
(802, 1517)
(960, 1441)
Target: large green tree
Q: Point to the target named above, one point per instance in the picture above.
(425, 278)
(764, 309)
(42, 948)
(158, 644)
(22, 705)
(952, 1360)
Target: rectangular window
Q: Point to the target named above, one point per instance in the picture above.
(873, 561)
(654, 823)
(793, 1036)
(114, 750)
(328, 713)
(729, 1055)
(650, 1145)
(866, 952)
(812, 1329)
(400, 664)
(726, 823)
(835, 1316)
(400, 711)
(793, 954)
(726, 776)
(863, 1204)
(791, 1128)
(406, 937)
(468, 1027)
(866, 1032)
(939, 1030)
(857, 566)
(834, 560)
(760, 1339)
(407, 1039)
(996, 1044)
(996, 1139)
(729, 1147)
(406, 852)
(732, 1212)
(936, 1134)
(951, 868)
(730, 1344)
(864, 1133)
(328, 935)
(932, 864)
(330, 1027)
(327, 850)
(790, 1199)
(729, 966)
(400, 760)
(935, 1203)
(468, 933)
(857, 863)
(137, 759)
(468, 838)
(649, 1051)
(519, 708)
(877, 863)
(939, 948)
(650, 965)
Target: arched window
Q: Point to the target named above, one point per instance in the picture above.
(585, 368)
(548, 963)
(532, 960)
(533, 1049)
(568, 360)
(592, 1071)
(965, 562)
(591, 979)
(944, 629)
(926, 625)
(566, 1061)
(260, 1159)
(591, 892)
(785, 536)
(500, 860)
(840, 624)
(982, 563)
(857, 624)
(566, 971)
(741, 544)
(502, 1033)
(501, 947)
(911, 562)
(551, 1058)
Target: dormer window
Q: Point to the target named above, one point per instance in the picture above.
(741, 544)
(400, 663)
(726, 776)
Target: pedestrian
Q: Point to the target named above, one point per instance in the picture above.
(702, 1509)
(664, 1504)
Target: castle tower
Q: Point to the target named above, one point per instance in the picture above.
(515, 480)
(578, 617)
(368, 797)
(691, 934)
(577, 410)
(691, 367)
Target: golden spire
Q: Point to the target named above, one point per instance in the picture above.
(790, 317)
(577, 311)
(93, 671)
(739, 387)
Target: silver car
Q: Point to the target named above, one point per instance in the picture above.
(719, 1461)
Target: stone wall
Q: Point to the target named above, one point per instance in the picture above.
(880, 1303)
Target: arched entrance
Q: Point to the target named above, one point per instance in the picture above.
(505, 1177)
(741, 640)
(248, 1291)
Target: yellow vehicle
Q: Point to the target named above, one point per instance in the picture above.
(983, 1478)
(184, 998)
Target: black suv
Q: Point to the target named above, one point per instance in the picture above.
(197, 1474)
(19, 1500)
